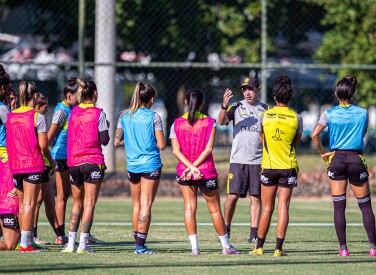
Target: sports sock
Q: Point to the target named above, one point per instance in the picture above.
(279, 243)
(59, 231)
(83, 239)
(339, 203)
(228, 228)
(25, 236)
(141, 239)
(194, 241)
(368, 218)
(135, 236)
(35, 232)
(31, 239)
(253, 232)
(224, 241)
(260, 242)
(72, 238)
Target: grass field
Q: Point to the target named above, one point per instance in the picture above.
(311, 249)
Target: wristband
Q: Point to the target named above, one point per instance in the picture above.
(223, 107)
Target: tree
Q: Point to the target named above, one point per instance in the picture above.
(351, 39)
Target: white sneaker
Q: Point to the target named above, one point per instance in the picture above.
(67, 249)
(40, 241)
(85, 250)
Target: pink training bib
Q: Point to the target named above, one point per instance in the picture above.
(193, 140)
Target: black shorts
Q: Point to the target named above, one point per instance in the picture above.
(34, 178)
(10, 221)
(348, 165)
(91, 173)
(46, 175)
(283, 177)
(61, 165)
(136, 177)
(244, 178)
(205, 185)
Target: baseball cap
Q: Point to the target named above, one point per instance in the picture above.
(250, 82)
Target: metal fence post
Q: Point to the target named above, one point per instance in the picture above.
(81, 36)
(105, 69)
(264, 34)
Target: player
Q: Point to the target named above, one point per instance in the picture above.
(9, 224)
(281, 131)
(347, 126)
(141, 132)
(245, 160)
(58, 133)
(88, 131)
(26, 141)
(192, 138)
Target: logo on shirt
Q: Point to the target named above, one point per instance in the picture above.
(271, 115)
(95, 175)
(277, 136)
(4, 157)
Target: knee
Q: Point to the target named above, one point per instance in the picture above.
(255, 199)
(268, 210)
(232, 199)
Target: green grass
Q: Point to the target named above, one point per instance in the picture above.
(312, 250)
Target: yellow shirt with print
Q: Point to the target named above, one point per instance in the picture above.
(280, 125)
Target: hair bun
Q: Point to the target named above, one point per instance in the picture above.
(282, 79)
(73, 80)
(352, 79)
(82, 83)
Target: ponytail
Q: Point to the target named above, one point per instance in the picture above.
(141, 95)
(26, 92)
(194, 98)
(85, 90)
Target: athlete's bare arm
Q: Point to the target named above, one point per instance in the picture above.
(119, 137)
(161, 143)
(316, 140)
(54, 128)
(222, 117)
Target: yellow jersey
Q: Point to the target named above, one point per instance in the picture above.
(280, 126)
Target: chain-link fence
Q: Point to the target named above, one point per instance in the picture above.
(211, 45)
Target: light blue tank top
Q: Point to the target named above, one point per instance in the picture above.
(3, 131)
(347, 126)
(59, 150)
(139, 141)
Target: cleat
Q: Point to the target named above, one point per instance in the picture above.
(17, 246)
(231, 250)
(39, 241)
(195, 252)
(344, 253)
(372, 252)
(257, 251)
(85, 250)
(61, 240)
(143, 250)
(279, 253)
(252, 239)
(67, 249)
(29, 249)
(92, 240)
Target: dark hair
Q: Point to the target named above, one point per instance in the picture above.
(282, 90)
(345, 88)
(194, 98)
(141, 95)
(42, 100)
(70, 87)
(4, 77)
(86, 89)
(26, 92)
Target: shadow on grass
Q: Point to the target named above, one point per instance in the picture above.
(143, 265)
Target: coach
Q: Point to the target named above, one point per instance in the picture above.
(245, 160)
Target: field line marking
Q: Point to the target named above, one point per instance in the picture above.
(210, 224)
